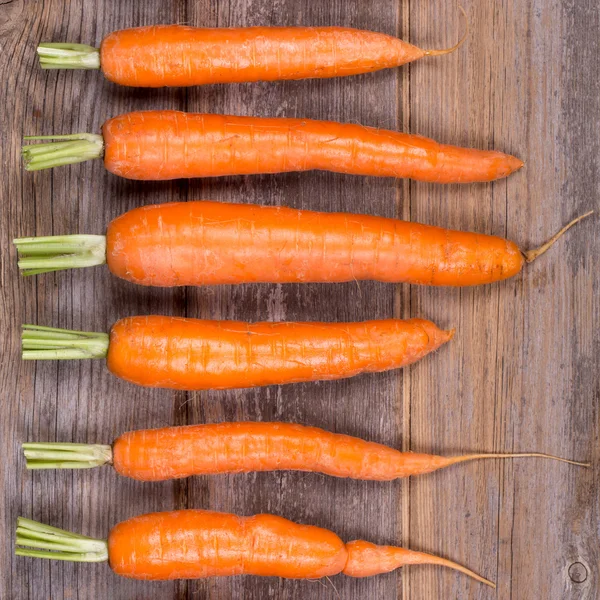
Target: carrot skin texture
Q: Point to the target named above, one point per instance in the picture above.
(211, 243)
(175, 55)
(366, 559)
(192, 544)
(175, 452)
(162, 145)
(190, 354)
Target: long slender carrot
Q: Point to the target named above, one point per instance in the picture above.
(192, 544)
(176, 452)
(160, 145)
(208, 243)
(174, 55)
(191, 354)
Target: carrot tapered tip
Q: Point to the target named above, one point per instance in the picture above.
(366, 559)
(457, 45)
(531, 255)
(424, 558)
(515, 164)
(452, 460)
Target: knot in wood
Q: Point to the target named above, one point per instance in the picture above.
(578, 572)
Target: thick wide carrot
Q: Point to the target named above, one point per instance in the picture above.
(191, 544)
(175, 452)
(191, 354)
(160, 145)
(208, 243)
(175, 55)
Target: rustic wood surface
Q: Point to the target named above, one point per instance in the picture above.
(522, 373)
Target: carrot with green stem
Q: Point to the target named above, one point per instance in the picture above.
(192, 354)
(162, 145)
(210, 449)
(174, 55)
(209, 243)
(193, 544)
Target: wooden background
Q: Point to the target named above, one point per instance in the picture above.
(522, 373)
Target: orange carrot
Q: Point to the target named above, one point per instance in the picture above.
(174, 55)
(208, 243)
(366, 559)
(192, 544)
(159, 145)
(191, 354)
(175, 452)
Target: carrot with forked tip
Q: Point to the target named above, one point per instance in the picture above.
(209, 243)
(175, 452)
(161, 145)
(174, 55)
(192, 354)
(192, 544)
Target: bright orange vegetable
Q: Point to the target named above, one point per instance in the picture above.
(174, 55)
(191, 354)
(175, 452)
(159, 145)
(208, 243)
(191, 544)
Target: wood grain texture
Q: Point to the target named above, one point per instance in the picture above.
(521, 375)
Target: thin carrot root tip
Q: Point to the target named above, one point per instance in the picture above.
(469, 457)
(531, 255)
(456, 46)
(423, 558)
(49, 343)
(61, 150)
(68, 56)
(465, 571)
(37, 540)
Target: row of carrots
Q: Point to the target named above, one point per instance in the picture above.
(208, 243)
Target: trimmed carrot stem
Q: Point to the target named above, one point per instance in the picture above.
(61, 150)
(50, 343)
(68, 56)
(42, 541)
(54, 253)
(52, 455)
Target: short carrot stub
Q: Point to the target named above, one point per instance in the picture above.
(211, 243)
(175, 55)
(192, 354)
(191, 544)
(162, 145)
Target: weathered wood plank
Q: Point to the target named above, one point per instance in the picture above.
(71, 402)
(364, 406)
(520, 375)
(514, 379)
